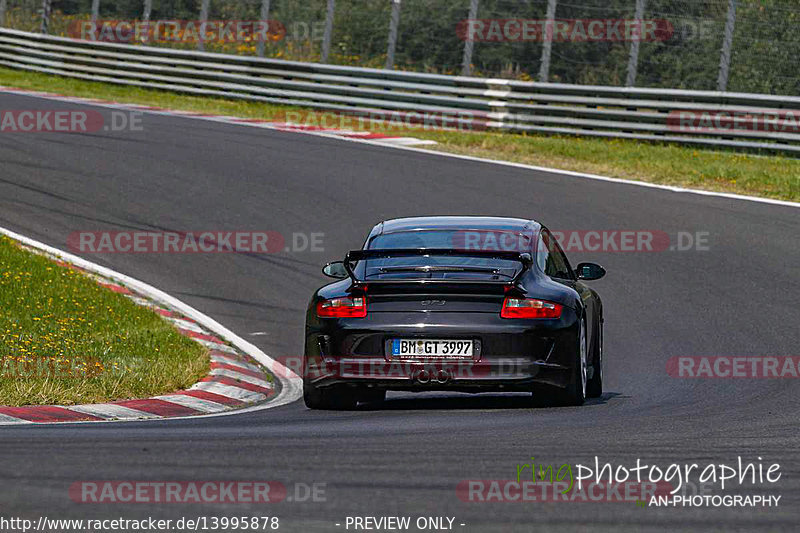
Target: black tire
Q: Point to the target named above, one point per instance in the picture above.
(372, 396)
(330, 398)
(594, 389)
(333, 398)
(575, 392)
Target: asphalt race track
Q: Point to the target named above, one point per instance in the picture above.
(740, 297)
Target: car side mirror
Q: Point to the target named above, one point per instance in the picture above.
(589, 271)
(335, 270)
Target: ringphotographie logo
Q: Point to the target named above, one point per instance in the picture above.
(564, 30)
(68, 121)
(646, 484)
(194, 242)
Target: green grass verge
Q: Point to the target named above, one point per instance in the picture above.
(742, 173)
(66, 340)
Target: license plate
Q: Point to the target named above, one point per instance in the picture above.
(431, 348)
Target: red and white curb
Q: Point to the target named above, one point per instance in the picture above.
(237, 381)
(378, 138)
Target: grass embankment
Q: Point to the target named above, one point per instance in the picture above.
(66, 340)
(742, 173)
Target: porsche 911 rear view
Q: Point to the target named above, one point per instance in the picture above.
(424, 305)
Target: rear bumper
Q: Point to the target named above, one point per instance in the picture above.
(506, 374)
(510, 355)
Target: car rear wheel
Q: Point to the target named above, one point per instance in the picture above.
(594, 388)
(575, 392)
(372, 396)
(329, 398)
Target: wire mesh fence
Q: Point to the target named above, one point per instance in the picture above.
(645, 43)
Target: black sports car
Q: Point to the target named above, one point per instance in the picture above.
(472, 304)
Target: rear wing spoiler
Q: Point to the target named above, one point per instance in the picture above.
(355, 256)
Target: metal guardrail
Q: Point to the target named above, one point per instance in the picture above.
(471, 103)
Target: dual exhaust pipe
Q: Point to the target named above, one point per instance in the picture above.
(425, 377)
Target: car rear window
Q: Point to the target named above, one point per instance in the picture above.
(493, 240)
(464, 239)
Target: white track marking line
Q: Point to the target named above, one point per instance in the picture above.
(402, 141)
(573, 174)
(199, 404)
(240, 377)
(234, 362)
(142, 301)
(229, 391)
(570, 173)
(185, 324)
(217, 346)
(8, 419)
(112, 412)
(347, 133)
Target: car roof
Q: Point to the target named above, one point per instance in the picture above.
(453, 223)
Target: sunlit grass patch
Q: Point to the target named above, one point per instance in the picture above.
(64, 339)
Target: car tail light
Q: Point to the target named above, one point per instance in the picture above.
(530, 308)
(347, 307)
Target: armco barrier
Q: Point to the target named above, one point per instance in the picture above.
(702, 118)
